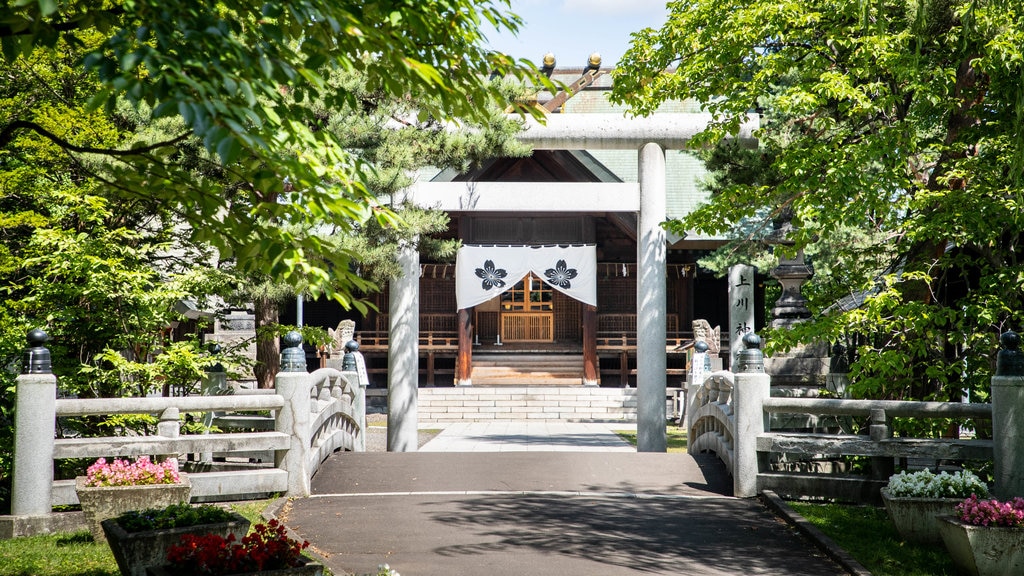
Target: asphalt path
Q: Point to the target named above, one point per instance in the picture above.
(539, 513)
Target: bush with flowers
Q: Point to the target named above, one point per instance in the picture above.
(268, 547)
(980, 512)
(925, 484)
(126, 473)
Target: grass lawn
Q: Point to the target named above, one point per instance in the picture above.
(868, 535)
(76, 554)
(56, 555)
(676, 437)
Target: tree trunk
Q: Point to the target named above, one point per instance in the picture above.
(268, 350)
(969, 92)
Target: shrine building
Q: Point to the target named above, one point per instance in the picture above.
(565, 276)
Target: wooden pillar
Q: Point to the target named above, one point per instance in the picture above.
(430, 367)
(591, 375)
(686, 302)
(464, 361)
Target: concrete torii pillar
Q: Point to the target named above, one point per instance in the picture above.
(650, 301)
(403, 353)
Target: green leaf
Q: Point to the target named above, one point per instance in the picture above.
(228, 149)
(48, 7)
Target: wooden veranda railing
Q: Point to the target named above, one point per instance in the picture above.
(438, 333)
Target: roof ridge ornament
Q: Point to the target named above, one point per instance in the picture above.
(591, 72)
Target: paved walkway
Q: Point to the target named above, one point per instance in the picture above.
(546, 498)
(529, 437)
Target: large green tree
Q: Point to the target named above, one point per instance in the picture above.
(96, 270)
(393, 142)
(237, 73)
(898, 124)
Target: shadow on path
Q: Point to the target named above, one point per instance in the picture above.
(560, 513)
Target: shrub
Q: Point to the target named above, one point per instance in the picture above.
(173, 516)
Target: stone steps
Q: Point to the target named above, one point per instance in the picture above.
(558, 403)
(527, 369)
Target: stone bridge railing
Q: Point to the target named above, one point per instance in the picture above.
(730, 415)
(312, 415)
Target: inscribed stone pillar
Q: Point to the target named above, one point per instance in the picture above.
(651, 302)
(403, 353)
(741, 308)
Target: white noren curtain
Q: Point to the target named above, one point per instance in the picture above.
(483, 272)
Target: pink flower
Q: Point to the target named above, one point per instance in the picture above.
(125, 473)
(991, 512)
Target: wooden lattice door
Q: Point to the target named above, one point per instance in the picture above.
(527, 312)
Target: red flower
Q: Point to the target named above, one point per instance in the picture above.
(268, 547)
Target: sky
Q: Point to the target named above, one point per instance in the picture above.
(574, 29)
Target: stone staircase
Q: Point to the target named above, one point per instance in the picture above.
(527, 370)
(526, 403)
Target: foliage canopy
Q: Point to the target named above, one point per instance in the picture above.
(237, 73)
(895, 124)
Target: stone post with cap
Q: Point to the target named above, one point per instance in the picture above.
(293, 383)
(752, 387)
(700, 368)
(214, 383)
(1008, 418)
(35, 407)
(353, 369)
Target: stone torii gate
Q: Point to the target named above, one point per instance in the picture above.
(651, 136)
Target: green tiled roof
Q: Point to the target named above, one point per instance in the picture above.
(683, 175)
(684, 171)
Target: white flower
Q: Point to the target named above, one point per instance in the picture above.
(924, 484)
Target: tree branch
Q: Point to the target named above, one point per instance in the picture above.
(7, 30)
(8, 132)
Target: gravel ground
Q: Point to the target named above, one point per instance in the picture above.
(377, 433)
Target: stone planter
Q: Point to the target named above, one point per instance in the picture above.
(915, 518)
(308, 568)
(137, 551)
(102, 502)
(983, 550)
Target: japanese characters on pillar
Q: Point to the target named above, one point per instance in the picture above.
(741, 307)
